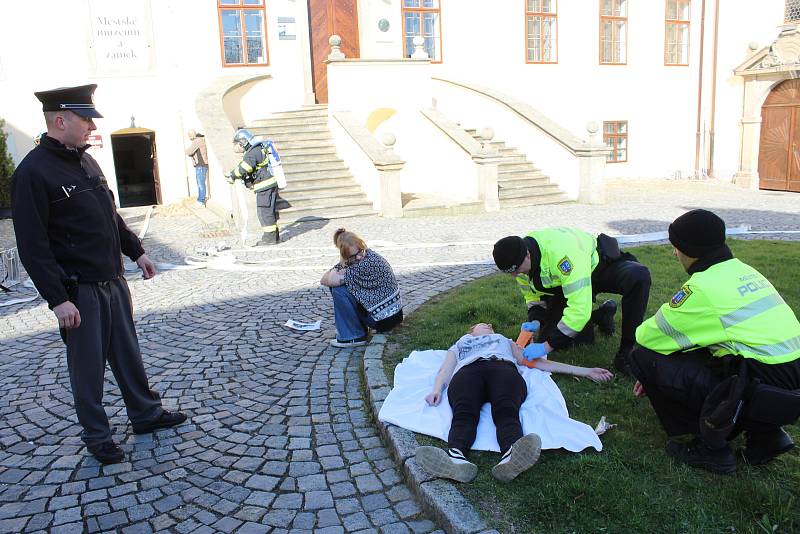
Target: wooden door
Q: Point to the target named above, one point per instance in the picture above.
(154, 159)
(326, 18)
(779, 149)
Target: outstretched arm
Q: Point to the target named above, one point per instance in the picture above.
(595, 374)
(442, 379)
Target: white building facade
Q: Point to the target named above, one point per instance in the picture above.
(661, 83)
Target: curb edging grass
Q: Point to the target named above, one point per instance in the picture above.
(440, 499)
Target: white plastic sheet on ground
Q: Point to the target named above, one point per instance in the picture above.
(543, 412)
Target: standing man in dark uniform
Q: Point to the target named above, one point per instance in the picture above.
(69, 237)
(254, 170)
(560, 271)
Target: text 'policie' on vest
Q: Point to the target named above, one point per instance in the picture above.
(731, 308)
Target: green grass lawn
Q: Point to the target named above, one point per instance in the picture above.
(632, 486)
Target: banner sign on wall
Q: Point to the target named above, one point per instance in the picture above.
(121, 38)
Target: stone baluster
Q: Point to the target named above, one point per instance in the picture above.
(487, 162)
(389, 176)
(419, 48)
(336, 53)
(592, 168)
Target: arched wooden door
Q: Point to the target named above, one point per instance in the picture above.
(328, 17)
(779, 151)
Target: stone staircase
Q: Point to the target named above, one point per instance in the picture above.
(520, 183)
(319, 185)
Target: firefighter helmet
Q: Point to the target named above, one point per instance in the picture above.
(243, 138)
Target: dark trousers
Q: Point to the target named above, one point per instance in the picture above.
(107, 334)
(678, 384)
(495, 382)
(267, 208)
(626, 277)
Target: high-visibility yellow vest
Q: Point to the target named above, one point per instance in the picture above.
(569, 256)
(730, 308)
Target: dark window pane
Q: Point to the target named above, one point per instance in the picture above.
(232, 36)
(254, 30)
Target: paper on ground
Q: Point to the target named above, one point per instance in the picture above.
(303, 327)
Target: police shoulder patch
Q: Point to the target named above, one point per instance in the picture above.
(680, 297)
(565, 266)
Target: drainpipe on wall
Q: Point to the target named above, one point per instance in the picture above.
(713, 90)
(700, 88)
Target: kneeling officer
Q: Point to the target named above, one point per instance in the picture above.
(722, 356)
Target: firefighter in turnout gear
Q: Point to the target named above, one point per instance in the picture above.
(721, 357)
(560, 271)
(256, 173)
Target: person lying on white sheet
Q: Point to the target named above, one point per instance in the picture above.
(482, 367)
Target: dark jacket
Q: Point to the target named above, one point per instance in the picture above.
(254, 169)
(65, 220)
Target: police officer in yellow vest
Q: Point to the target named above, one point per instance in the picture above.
(254, 170)
(726, 326)
(560, 271)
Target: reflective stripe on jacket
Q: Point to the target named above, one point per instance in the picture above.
(730, 308)
(255, 163)
(569, 256)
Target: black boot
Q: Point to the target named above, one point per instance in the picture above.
(763, 447)
(697, 454)
(622, 361)
(268, 238)
(604, 317)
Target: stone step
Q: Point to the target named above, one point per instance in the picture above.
(531, 181)
(555, 198)
(304, 144)
(327, 190)
(280, 121)
(302, 181)
(318, 153)
(288, 137)
(311, 175)
(325, 212)
(508, 166)
(283, 132)
(529, 192)
(310, 198)
(304, 112)
(515, 174)
(303, 166)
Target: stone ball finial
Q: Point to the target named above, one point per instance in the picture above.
(487, 134)
(419, 48)
(592, 127)
(388, 139)
(752, 45)
(336, 53)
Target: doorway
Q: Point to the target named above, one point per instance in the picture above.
(136, 167)
(326, 18)
(779, 150)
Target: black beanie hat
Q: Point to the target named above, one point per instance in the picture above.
(509, 253)
(697, 233)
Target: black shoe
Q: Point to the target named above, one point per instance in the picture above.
(622, 361)
(697, 454)
(268, 238)
(165, 420)
(107, 452)
(604, 317)
(764, 447)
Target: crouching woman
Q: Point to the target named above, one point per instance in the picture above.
(364, 290)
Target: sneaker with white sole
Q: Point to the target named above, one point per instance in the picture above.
(520, 457)
(450, 463)
(359, 342)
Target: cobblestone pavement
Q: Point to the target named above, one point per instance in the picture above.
(279, 439)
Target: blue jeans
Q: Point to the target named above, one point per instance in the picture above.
(350, 317)
(201, 172)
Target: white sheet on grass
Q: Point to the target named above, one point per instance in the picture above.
(543, 412)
